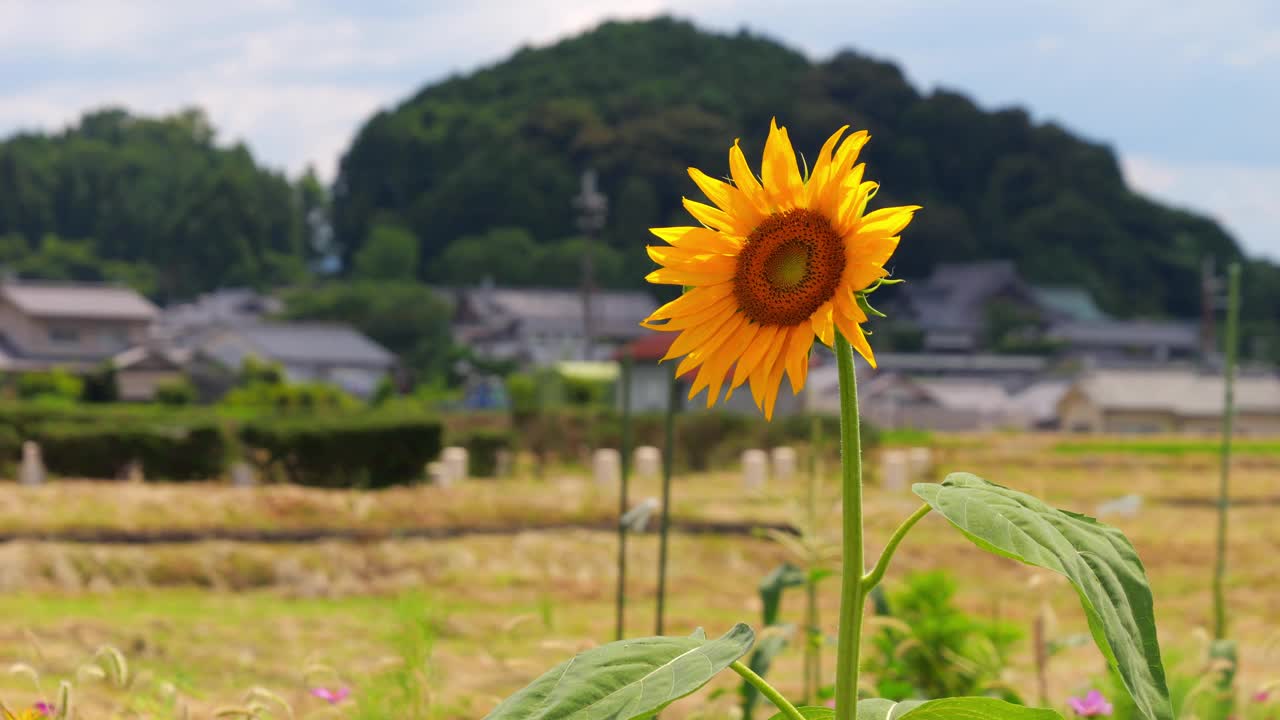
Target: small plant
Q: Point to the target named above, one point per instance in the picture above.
(931, 649)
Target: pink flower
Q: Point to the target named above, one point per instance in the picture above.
(1092, 705)
(43, 708)
(331, 696)
(1261, 696)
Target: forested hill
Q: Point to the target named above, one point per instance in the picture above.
(153, 202)
(641, 101)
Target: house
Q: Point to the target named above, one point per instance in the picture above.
(951, 306)
(308, 352)
(986, 306)
(74, 325)
(1113, 342)
(142, 369)
(540, 327)
(894, 400)
(183, 325)
(1168, 401)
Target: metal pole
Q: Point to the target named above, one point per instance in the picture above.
(1228, 413)
(668, 461)
(625, 379)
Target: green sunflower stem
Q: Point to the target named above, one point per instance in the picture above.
(852, 590)
(788, 710)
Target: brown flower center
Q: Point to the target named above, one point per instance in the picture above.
(791, 265)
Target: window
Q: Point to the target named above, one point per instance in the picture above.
(63, 335)
(114, 339)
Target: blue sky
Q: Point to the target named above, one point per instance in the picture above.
(1187, 93)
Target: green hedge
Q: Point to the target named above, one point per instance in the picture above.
(483, 447)
(173, 452)
(345, 451)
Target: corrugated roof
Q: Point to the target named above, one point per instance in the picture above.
(78, 300)
(1072, 303)
(1127, 333)
(1184, 392)
(966, 394)
(613, 312)
(313, 344)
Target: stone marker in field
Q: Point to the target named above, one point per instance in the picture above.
(438, 473)
(242, 475)
(606, 467)
(784, 462)
(133, 472)
(32, 471)
(455, 461)
(503, 464)
(648, 461)
(755, 469)
(920, 463)
(1126, 506)
(893, 470)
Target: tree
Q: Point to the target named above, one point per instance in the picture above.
(505, 255)
(408, 319)
(389, 255)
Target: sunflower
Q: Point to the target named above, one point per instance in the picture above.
(779, 260)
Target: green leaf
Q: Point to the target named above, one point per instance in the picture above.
(969, 708)
(1098, 560)
(627, 679)
(962, 708)
(881, 709)
(784, 576)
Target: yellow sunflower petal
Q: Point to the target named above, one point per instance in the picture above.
(729, 198)
(717, 219)
(753, 355)
(887, 221)
(852, 332)
(691, 302)
(693, 319)
(675, 276)
(822, 322)
(714, 371)
(699, 238)
(841, 168)
(817, 182)
(853, 206)
(709, 350)
(691, 260)
(693, 338)
(801, 344)
(746, 180)
(774, 384)
(779, 169)
(772, 356)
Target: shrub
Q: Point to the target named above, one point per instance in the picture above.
(56, 386)
(483, 447)
(176, 393)
(916, 657)
(173, 452)
(346, 451)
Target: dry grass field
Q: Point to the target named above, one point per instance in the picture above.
(202, 623)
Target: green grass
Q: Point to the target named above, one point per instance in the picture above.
(1176, 448)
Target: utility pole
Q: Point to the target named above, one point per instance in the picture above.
(592, 207)
(1210, 285)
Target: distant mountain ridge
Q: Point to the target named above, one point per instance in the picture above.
(641, 101)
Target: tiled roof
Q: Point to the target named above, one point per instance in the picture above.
(78, 300)
(1127, 333)
(1185, 392)
(312, 344)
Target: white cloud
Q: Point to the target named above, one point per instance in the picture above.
(294, 80)
(1242, 198)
